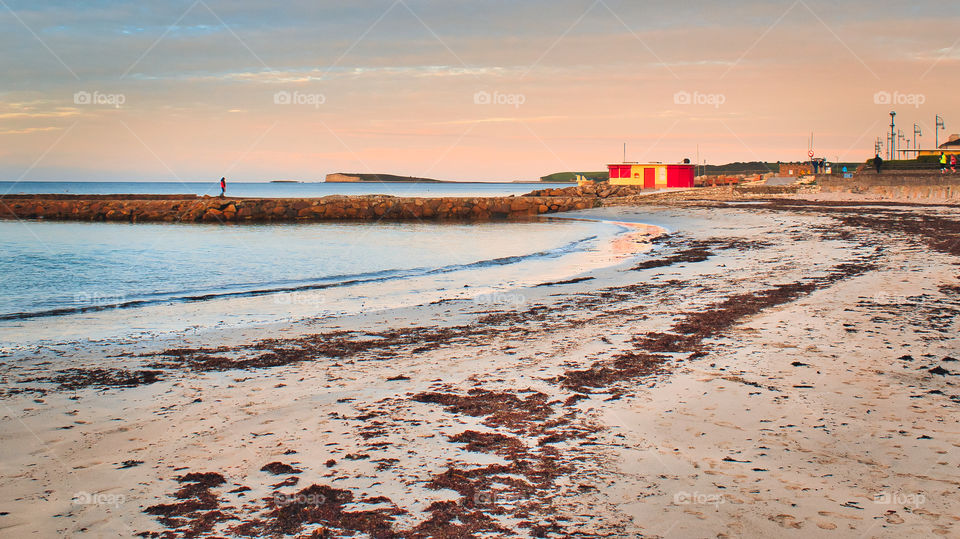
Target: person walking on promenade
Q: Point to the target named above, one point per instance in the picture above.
(943, 163)
(878, 162)
(223, 187)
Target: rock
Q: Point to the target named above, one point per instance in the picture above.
(213, 215)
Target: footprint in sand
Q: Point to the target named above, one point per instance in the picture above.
(786, 521)
(831, 514)
(825, 525)
(926, 514)
(893, 518)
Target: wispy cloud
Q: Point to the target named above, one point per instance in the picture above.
(313, 74)
(505, 119)
(27, 130)
(61, 113)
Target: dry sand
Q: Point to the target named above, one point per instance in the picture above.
(778, 370)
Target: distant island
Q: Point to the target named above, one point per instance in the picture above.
(571, 177)
(351, 177)
(748, 167)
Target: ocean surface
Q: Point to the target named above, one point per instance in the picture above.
(68, 281)
(276, 190)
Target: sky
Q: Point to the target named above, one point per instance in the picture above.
(457, 90)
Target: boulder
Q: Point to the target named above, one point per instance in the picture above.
(213, 215)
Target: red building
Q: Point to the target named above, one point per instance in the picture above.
(651, 175)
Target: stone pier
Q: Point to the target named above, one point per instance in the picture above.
(191, 208)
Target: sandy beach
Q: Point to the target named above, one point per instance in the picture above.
(756, 368)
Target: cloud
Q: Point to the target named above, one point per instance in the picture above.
(60, 112)
(505, 119)
(27, 130)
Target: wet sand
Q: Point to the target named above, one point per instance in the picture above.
(783, 368)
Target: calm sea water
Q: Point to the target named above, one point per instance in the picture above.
(275, 190)
(65, 280)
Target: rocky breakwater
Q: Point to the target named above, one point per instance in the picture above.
(594, 190)
(189, 208)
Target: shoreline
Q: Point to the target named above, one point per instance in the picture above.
(582, 409)
(593, 244)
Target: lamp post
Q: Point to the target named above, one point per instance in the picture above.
(900, 138)
(916, 133)
(936, 132)
(893, 137)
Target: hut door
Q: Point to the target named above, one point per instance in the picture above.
(648, 179)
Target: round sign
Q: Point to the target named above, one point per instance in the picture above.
(810, 153)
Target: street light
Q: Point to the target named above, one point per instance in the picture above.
(916, 133)
(893, 137)
(936, 132)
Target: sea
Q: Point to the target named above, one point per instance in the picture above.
(64, 282)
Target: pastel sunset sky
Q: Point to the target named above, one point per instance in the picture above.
(483, 90)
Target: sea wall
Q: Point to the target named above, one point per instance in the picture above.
(915, 186)
(189, 208)
(589, 190)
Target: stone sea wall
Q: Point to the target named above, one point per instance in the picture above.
(589, 190)
(190, 208)
(916, 187)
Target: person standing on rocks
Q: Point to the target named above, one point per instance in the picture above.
(878, 162)
(223, 187)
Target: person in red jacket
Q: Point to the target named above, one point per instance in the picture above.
(223, 187)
